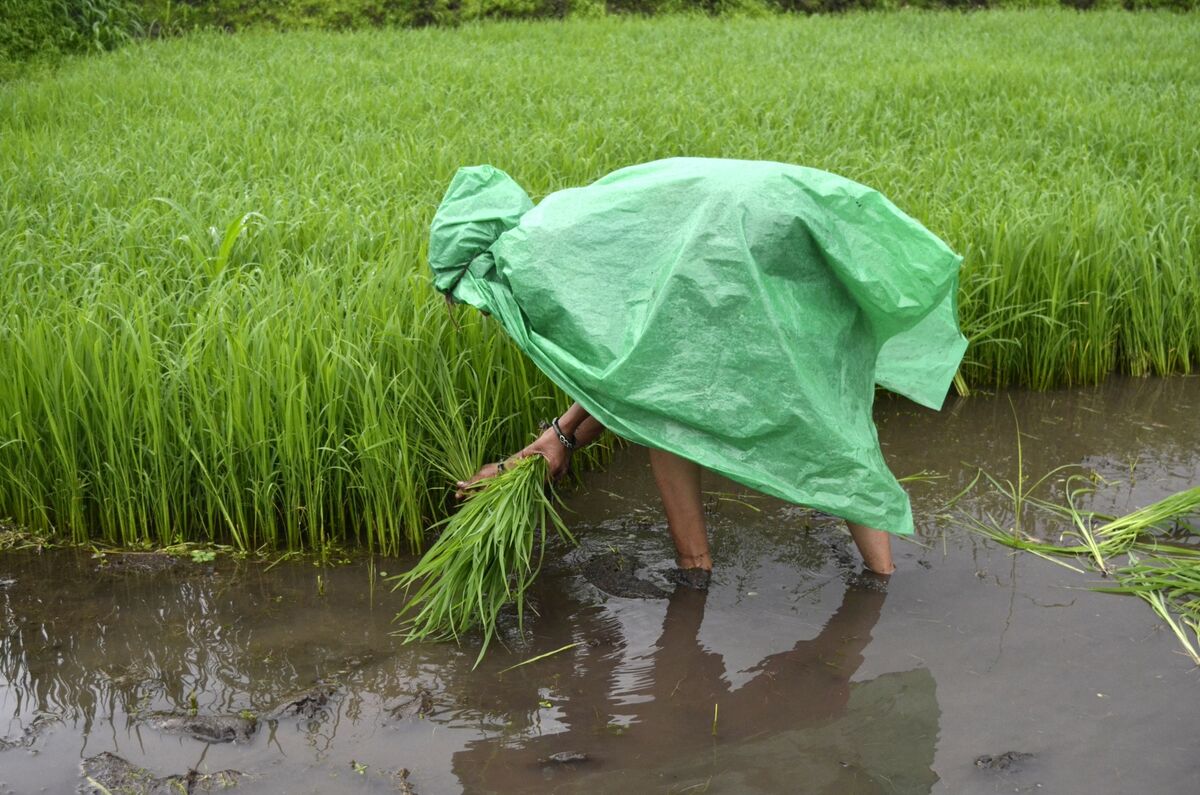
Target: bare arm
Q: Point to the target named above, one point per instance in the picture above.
(584, 426)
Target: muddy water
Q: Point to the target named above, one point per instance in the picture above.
(972, 671)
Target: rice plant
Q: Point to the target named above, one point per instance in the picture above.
(485, 558)
(1157, 567)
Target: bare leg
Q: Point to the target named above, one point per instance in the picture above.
(679, 486)
(875, 546)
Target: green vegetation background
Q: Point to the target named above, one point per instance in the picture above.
(43, 30)
(215, 314)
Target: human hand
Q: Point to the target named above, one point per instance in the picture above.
(547, 446)
(550, 448)
(478, 480)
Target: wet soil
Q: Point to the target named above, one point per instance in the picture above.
(972, 670)
(617, 574)
(108, 774)
(137, 562)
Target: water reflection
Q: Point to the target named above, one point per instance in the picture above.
(84, 648)
(798, 718)
(82, 643)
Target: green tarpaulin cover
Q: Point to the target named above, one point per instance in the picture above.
(736, 313)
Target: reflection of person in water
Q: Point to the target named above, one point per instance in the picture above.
(669, 713)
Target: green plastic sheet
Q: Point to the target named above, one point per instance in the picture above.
(736, 313)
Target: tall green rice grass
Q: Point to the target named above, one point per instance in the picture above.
(215, 317)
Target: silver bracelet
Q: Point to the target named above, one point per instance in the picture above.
(567, 441)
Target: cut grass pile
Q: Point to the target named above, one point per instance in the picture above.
(485, 558)
(215, 318)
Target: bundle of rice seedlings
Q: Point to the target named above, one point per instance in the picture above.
(1133, 527)
(484, 558)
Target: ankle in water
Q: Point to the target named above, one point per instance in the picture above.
(694, 562)
(694, 577)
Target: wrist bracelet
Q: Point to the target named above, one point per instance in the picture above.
(567, 441)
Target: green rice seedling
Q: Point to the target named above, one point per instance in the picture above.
(485, 558)
(1167, 577)
(1083, 531)
(1158, 603)
(1169, 580)
(1096, 535)
(543, 656)
(1132, 527)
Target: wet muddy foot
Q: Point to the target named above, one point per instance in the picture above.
(697, 579)
(867, 580)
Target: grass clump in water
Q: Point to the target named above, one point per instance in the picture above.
(484, 559)
(1160, 567)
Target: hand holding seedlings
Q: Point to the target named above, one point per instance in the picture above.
(487, 555)
(577, 428)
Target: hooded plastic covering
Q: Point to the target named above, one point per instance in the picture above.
(736, 313)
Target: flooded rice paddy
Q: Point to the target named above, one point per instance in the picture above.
(973, 670)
